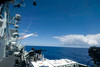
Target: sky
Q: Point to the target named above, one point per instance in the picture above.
(68, 23)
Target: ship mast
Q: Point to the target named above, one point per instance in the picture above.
(4, 18)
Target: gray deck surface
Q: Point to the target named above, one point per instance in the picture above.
(8, 61)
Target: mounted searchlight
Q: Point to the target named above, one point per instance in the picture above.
(34, 3)
(18, 16)
(16, 26)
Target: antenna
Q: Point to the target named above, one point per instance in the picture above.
(18, 5)
(13, 2)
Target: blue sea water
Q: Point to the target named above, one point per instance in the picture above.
(76, 54)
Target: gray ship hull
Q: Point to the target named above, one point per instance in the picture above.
(2, 49)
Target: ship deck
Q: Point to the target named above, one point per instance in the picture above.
(8, 61)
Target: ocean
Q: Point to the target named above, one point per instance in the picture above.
(76, 54)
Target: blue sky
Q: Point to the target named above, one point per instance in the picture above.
(53, 20)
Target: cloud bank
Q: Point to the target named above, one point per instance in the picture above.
(79, 40)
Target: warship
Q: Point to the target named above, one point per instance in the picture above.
(13, 54)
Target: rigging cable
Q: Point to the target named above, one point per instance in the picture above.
(27, 27)
(89, 62)
(26, 31)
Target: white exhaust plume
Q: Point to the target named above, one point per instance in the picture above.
(28, 35)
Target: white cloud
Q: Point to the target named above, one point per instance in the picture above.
(78, 40)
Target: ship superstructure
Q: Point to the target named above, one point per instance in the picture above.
(9, 36)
